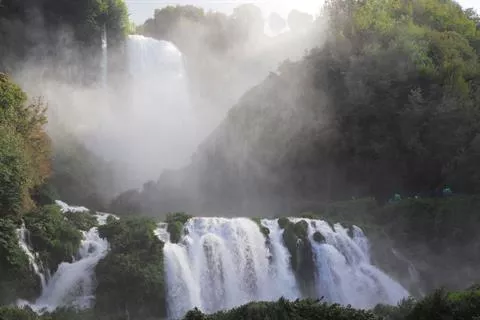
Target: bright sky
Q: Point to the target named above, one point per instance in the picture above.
(140, 10)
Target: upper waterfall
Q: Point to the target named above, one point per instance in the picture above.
(149, 124)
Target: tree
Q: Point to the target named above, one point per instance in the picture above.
(24, 148)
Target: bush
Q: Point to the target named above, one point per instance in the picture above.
(53, 236)
(15, 180)
(12, 313)
(24, 148)
(131, 277)
(176, 222)
(82, 220)
(285, 310)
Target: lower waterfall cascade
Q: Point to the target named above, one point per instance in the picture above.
(72, 285)
(221, 263)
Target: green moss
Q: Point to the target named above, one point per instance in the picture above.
(318, 237)
(53, 237)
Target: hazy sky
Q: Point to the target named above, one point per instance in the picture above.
(140, 10)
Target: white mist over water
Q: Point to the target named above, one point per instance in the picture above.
(222, 263)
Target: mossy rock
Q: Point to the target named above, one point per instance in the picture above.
(318, 237)
(301, 229)
(350, 232)
(283, 222)
(175, 229)
(265, 231)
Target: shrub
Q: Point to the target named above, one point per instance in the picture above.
(131, 277)
(53, 236)
(176, 222)
(82, 220)
(24, 148)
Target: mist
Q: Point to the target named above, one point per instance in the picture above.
(151, 105)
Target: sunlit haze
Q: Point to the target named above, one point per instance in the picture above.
(140, 10)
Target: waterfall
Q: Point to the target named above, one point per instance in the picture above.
(151, 125)
(221, 263)
(73, 284)
(23, 242)
(104, 57)
(345, 274)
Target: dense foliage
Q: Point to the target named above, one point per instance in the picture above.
(439, 305)
(131, 277)
(53, 236)
(24, 148)
(176, 222)
(51, 29)
(283, 310)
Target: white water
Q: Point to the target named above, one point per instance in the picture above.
(23, 242)
(73, 283)
(345, 274)
(222, 263)
(67, 208)
(104, 64)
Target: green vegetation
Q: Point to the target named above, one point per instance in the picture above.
(17, 279)
(388, 105)
(82, 220)
(176, 222)
(283, 310)
(131, 277)
(11, 313)
(43, 24)
(24, 148)
(53, 236)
